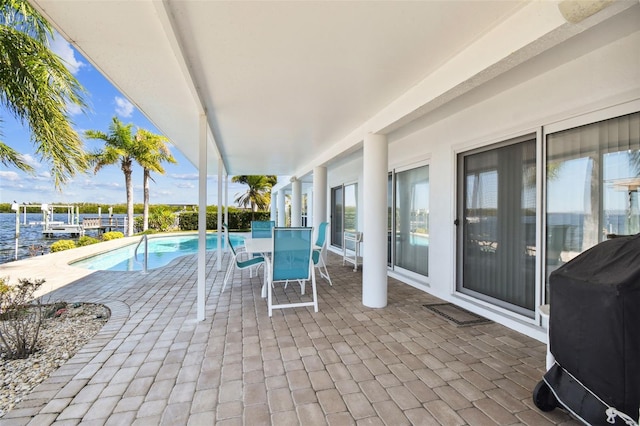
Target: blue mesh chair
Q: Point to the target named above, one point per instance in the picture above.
(262, 228)
(320, 251)
(235, 262)
(291, 260)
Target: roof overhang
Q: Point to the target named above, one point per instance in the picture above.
(286, 86)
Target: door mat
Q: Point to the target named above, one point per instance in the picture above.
(457, 315)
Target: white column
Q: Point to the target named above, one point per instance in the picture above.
(319, 196)
(281, 208)
(309, 206)
(219, 226)
(226, 204)
(274, 206)
(202, 216)
(374, 190)
(226, 199)
(296, 203)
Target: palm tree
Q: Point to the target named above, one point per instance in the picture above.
(258, 196)
(153, 151)
(120, 146)
(36, 87)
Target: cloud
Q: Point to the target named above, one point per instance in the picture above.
(31, 160)
(186, 176)
(9, 176)
(74, 109)
(40, 189)
(62, 48)
(124, 108)
(11, 181)
(92, 184)
(185, 185)
(44, 176)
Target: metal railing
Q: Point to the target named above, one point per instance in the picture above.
(145, 261)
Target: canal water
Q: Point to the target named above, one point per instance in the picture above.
(31, 242)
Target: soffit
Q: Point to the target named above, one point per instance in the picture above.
(280, 82)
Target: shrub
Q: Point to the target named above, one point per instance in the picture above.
(113, 235)
(137, 224)
(21, 318)
(161, 219)
(188, 221)
(86, 240)
(62, 245)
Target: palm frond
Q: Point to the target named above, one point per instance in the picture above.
(36, 88)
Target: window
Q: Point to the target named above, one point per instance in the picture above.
(592, 183)
(411, 220)
(344, 212)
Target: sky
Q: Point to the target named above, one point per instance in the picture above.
(179, 185)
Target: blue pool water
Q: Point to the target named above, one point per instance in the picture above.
(162, 250)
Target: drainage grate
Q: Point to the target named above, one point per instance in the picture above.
(457, 315)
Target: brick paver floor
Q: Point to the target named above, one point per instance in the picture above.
(155, 364)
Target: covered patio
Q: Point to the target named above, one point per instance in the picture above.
(327, 95)
(154, 363)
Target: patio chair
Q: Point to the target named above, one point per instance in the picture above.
(291, 260)
(320, 251)
(235, 262)
(262, 228)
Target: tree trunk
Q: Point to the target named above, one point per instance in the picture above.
(591, 226)
(126, 168)
(145, 212)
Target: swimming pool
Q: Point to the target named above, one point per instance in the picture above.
(162, 250)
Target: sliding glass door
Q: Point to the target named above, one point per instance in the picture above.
(496, 225)
(592, 183)
(337, 215)
(344, 212)
(412, 220)
(408, 220)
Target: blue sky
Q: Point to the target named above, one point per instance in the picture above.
(179, 185)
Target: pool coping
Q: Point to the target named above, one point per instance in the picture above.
(55, 268)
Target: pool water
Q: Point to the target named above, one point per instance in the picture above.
(162, 250)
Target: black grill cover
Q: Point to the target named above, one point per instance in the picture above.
(595, 321)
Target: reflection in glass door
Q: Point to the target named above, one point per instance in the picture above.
(592, 184)
(344, 212)
(337, 215)
(412, 220)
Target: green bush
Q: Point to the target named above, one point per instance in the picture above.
(161, 219)
(62, 245)
(86, 240)
(237, 220)
(137, 224)
(113, 235)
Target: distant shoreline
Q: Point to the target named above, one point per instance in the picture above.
(92, 208)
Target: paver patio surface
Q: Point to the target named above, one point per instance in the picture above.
(155, 364)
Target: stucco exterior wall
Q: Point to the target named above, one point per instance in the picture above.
(594, 71)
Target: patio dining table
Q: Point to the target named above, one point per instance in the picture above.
(262, 247)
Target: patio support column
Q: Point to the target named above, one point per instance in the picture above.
(281, 208)
(319, 196)
(309, 207)
(202, 216)
(274, 206)
(219, 209)
(296, 202)
(374, 196)
(226, 203)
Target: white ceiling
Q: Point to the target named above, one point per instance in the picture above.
(282, 83)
